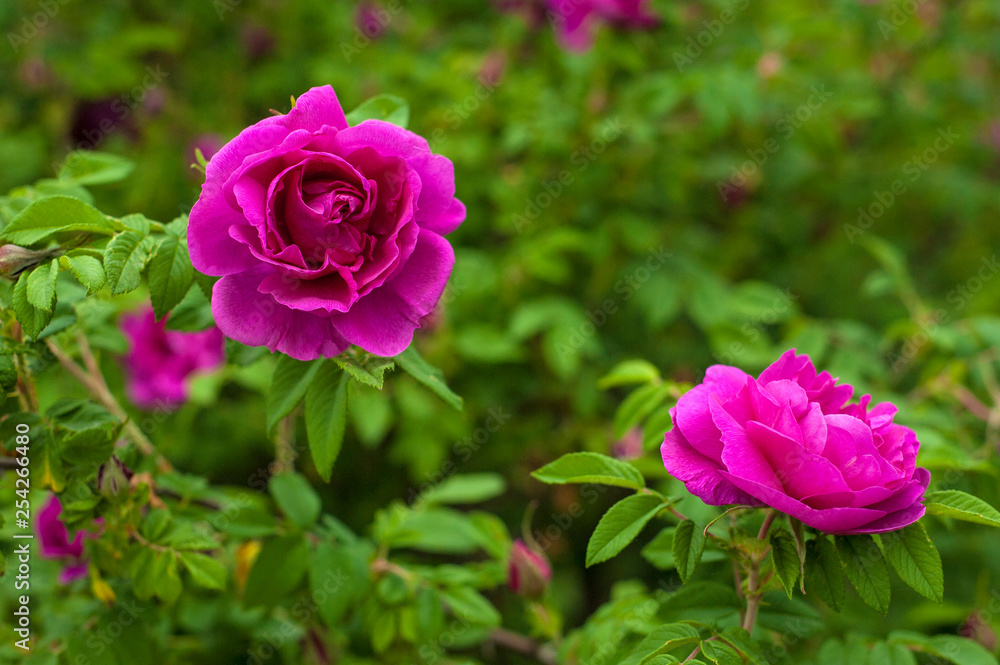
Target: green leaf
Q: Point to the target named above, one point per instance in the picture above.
(32, 319)
(961, 506)
(720, 653)
(866, 569)
(954, 649)
(688, 545)
(422, 530)
(192, 314)
(124, 260)
(89, 167)
(296, 498)
(278, 570)
(661, 640)
(288, 387)
(414, 364)
(389, 108)
(883, 653)
(170, 274)
(914, 557)
(824, 572)
(88, 270)
(55, 214)
(383, 631)
(470, 606)
(339, 575)
(590, 468)
(370, 372)
(639, 404)
(740, 640)
(326, 417)
(629, 372)
(42, 286)
(466, 489)
(205, 570)
(786, 559)
(620, 525)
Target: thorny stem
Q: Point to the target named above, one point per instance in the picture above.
(94, 382)
(754, 595)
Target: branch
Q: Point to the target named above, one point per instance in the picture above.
(98, 388)
(523, 645)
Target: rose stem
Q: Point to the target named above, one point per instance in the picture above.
(94, 382)
(754, 596)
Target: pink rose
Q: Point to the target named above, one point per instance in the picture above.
(160, 361)
(325, 235)
(575, 20)
(787, 440)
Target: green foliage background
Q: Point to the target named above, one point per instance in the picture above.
(842, 98)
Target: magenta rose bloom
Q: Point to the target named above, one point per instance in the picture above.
(55, 542)
(787, 440)
(160, 361)
(576, 20)
(325, 235)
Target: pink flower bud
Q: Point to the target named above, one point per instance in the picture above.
(529, 572)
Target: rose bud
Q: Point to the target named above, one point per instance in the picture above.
(976, 628)
(15, 259)
(112, 476)
(629, 446)
(528, 572)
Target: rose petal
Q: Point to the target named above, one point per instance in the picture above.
(698, 473)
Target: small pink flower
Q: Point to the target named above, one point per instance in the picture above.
(55, 542)
(160, 361)
(529, 572)
(575, 21)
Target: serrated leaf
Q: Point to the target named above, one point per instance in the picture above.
(785, 557)
(688, 545)
(205, 570)
(289, 383)
(414, 364)
(295, 498)
(824, 572)
(914, 557)
(740, 640)
(32, 319)
(590, 468)
(961, 506)
(124, 260)
(629, 372)
(326, 417)
(389, 108)
(620, 525)
(954, 649)
(41, 288)
(371, 372)
(87, 270)
(55, 214)
(471, 606)
(720, 653)
(89, 167)
(866, 569)
(170, 274)
(661, 640)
